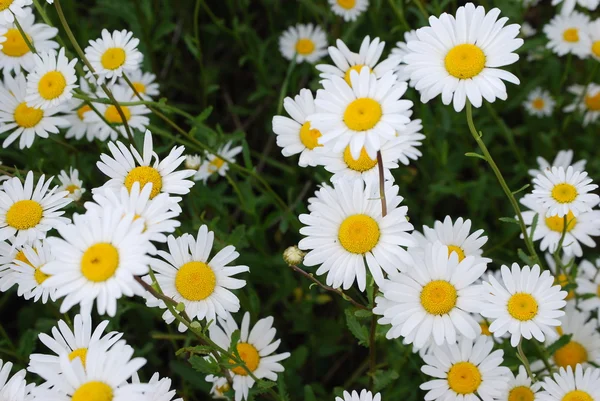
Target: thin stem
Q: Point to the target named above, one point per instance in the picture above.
(542, 352)
(524, 359)
(24, 35)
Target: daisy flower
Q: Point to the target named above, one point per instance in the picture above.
(11, 8)
(77, 109)
(345, 227)
(220, 386)
(74, 343)
(520, 388)
(368, 113)
(364, 395)
(193, 162)
(566, 385)
(24, 122)
(564, 158)
(539, 103)
(349, 10)
(295, 135)
(135, 115)
(52, 80)
(126, 167)
(255, 347)
(459, 57)
(469, 370)
(304, 42)
(565, 191)
(527, 305)
(402, 50)
(15, 53)
(594, 32)
(144, 83)
(113, 55)
(188, 276)
(564, 280)
(217, 164)
(29, 213)
(14, 388)
(71, 183)
(97, 259)
(433, 299)
(569, 5)
(579, 230)
(527, 30)
(568, 34)
(160, 389)
(589, 104)
(588, 283)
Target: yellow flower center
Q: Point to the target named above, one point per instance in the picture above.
(557, 224)
(538, 103)
(215, 164)
(563, 281)
(249, 355)
(593, 102)
(82, 110)
(4, 4)
(359, 233)
(362, 164)
(598, 291)
(144, 175)
(464, 61)
(577, 395)
(521, 393)
(222, 389)
(21, 256)
(139, 87)
(570, 355)
(113, 58)
(464, 378)
(112, 114)
(362, 114)
(27, 117)
(458, 250)
(347, 4)
(485, 329)
(52, 85)
(309, 136)
(80, 353)
(100, 262)
(72, 188)
(24, 214)
(305, 46)
(522, 306)
(356, 68)
(15, 45)
(195, 281)
(93, 391)
(40, 276)
(596, 48)
(438, 297)
(564, 193)
(571, 35)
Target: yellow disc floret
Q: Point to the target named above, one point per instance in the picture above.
(139, 87)
(195, 281)
(80, 353)
(112, 114)
(144, 175)
(538, 103)
(249, 355)
(82, 110)
(309, 136)
(93, 391)
(564, 193)
(40, 276)
(522, 306)
(362, 164)
(458, 250)
(362, 114)
(113, 58)
(485, 329)
(557, 224)
(15, 45)
(521, 393)
(570, 355)
(27, 117)
(593, 102)
(347, 4)
(596, 48)
(571, 35)
(577, 395)
(438, 297)
(359, 233)
(24, 214)
(52, 85)
(305, 46)
(4, 4)
(464, 61)
(100, 262)
(464, 378)
(356, 68)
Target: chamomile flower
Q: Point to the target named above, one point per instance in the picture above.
(77, 109)
(368, 113)
(527, 304)
(563, 190)
(255, 347)
(215, 164)
(588, 283)
(29, 213)
(578, 230)
(539, 103)
(188, 276)
(71, 183)
(346, 228)
(433, 298)
(15, 54)
(569, 5)
(568, 34)
(112, 55)
(74, 343)
(127, 166)
(469, 370)
(144, 83)
(349, 10)
(192, 162)
(586, 101)
(14, 388)
(564, 158)
(28, 276)
(569, 385)
(520, 387)
(295, 135)
(305, 42)
(459, 57)
(364, 395)
(220, 386)
(11, 8)
(402, 50)
(594, 32)
(160, 389)
(52, 80)
(347, 61)
(24, 122)
(97, 259)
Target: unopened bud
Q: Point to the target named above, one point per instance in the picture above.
(192, 162)
(293, 256)
(180, 307)
(195, 325)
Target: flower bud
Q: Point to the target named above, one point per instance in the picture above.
(293, 255)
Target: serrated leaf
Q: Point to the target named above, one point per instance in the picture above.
(357, 329)
(204, 365)
(199, 349)
(204, 115)
(266, 384)
(561, 342)
(382, 379)
(363, 313)
(235, 339)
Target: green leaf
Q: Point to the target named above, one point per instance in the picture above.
(382, 379)
(204, 115)
(357, 329)
(534, 224)
(309, 394)
(521, 189)
(509, 220)
(204, 365)
(363, 313)
(525, 258)
(198, 349)
(476, 155)
(561, 342)
(235, 339)
(266, 384)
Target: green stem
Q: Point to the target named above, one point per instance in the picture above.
(563, 79)
(24, 35)
(524, 359)
(544, 357)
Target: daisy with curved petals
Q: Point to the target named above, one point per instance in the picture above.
(255, 347)
(128, 166)
(112, 55)
(569, 5)
(295, 135)
(97, 259)
(520, 388)
(11, 8)
(568, 34)
(459, 57)
(368, 113)
(433, 299)
(345, 228)
(527, 304)
(305, 42)
(539, 103)
(364, 395)
(52, 81)
(349, 9)
(74, 343)
(588, 283)
(590, 102)
(469, 370)
(14, 388)
(565, 191)
(568, 385)
(71, 183)
(144, 83)
(564, 159)
(29, 213)
(188, 276)
(215, 164)
(27, 273)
